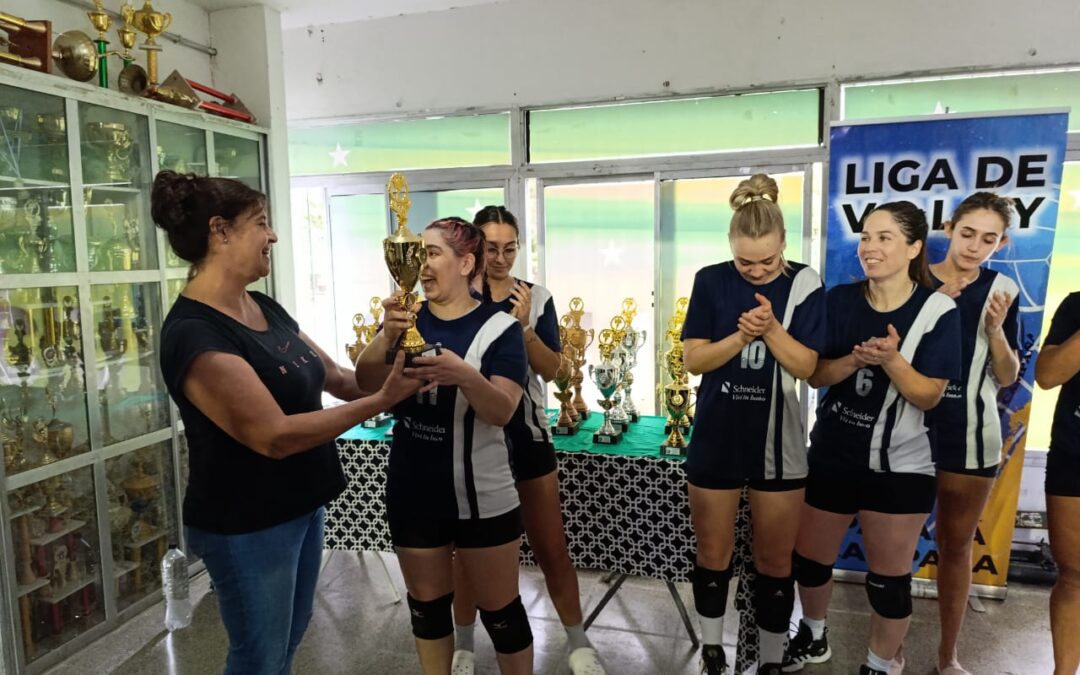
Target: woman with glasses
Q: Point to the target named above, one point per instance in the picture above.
(532, 454)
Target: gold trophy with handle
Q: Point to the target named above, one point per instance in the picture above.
(568, 422)
(405, 255)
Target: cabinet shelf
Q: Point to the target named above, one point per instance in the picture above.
(29, 183)
(122, 567)
(68, 589)
(24, 512)
(30, 588)
(50, 537)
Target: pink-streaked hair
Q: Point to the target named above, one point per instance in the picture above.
(463, 238)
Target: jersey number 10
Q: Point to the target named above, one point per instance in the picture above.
(753, 356)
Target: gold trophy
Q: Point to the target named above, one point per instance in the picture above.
(677, 402)
(580, 340)
(151, 24)
(405, 255)
(354, 350)
(606, 377)
(11, 437)
(568, 422)
(675, 396)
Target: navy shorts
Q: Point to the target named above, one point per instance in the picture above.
(849, 492)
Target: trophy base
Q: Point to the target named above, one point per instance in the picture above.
(566, 430)
(634, 417)
(622, 426)
(607, 439)
(683, 428)
(427, 350)
(583, 415)
(673, 450)
(380, 420)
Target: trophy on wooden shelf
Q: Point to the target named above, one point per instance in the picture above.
(40, 435)
(108, 147)
(607, 377)
(566, 424)
(71, 335)
(405, 255)
(28, 42)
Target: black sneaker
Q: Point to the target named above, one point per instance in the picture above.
(867, 670)
(713, 661)
(803, 649)
(770, 669)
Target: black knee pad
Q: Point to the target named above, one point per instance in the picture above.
(710, 591)
(508, 627)
(774, 598)
(432, 619)
(810, 573)
(889, 596)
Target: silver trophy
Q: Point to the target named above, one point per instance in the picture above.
(620, 419)
(632, 343)
(606, 377)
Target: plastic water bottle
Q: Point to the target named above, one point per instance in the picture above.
(174, 583)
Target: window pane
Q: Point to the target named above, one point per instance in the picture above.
(477, 140)
(1064, 279)
(685, 126)
(358, 226)
(599, 247)
(965, 94)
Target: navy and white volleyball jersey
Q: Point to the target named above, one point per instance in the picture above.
(749, 424)
(863, 422)
(442, 453)
(965, 428)
(530, 420)
(1065, 432)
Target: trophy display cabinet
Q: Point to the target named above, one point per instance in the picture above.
(93, 449)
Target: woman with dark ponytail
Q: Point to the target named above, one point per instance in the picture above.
(249, 383)
(532, 453)
(449, 485)
(892, 345)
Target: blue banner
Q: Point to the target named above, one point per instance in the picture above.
(935, 162)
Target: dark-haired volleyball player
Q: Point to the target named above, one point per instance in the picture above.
(532, 453)
(965, 426)
(893, 344)
(754, 327)
(1059, 365)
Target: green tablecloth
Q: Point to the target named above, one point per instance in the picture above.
(643, 439)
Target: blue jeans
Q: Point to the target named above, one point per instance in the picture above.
(265, 582)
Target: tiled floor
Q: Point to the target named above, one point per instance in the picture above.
(358, 629)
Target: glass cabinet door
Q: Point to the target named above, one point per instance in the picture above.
(183, 150)
(116, 188)
(238, 158)
(36, 231)
(43, 416)
(142, 508)
(57, 560)
(131, 396)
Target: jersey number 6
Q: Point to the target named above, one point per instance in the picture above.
(864, 381)
(753, 355)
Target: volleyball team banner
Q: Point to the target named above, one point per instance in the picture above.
(935, 162)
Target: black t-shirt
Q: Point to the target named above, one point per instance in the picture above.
(233, 489)
(1065, 433)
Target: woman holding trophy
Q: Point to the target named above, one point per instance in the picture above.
(754, 327)
(965, 428)
(249, 383)
(532, 452)
(450, 489)
(892, 345)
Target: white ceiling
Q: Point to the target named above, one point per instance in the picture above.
(300, 13)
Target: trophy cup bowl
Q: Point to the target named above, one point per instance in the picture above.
(606, 378)
(677, 402)
(150, 22)
(75, 55)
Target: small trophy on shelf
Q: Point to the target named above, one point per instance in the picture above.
(113, 346)
(150, 23)
(405, 255)
(607, 378)
(60, 435)
(11, 436)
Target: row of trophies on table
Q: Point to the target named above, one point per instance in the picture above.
(619, 345)
(31, 45)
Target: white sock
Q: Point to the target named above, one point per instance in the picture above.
(772, 646)
(463, 638)
(712, 630)
(816, 626)
(877, 663)
(575, 637)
